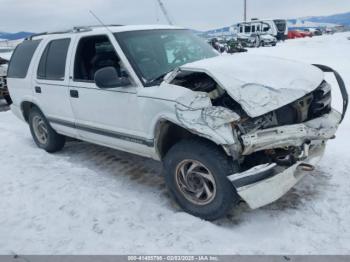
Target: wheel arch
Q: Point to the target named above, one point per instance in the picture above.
(167, 133)
(26, 106)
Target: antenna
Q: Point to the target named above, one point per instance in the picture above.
(100, 21)
(165, 12)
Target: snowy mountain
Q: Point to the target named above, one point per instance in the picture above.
(303, 23)
(14, 36)
(341, 19)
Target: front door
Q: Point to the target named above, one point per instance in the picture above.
(109, 116)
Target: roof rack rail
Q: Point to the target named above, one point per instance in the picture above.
(75, 29)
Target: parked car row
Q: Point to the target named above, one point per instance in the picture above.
(230, 45)
(307, 32)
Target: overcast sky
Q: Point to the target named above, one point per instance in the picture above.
(43, 15)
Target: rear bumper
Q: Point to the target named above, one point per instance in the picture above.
(273, 181)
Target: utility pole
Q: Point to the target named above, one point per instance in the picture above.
(245, 11)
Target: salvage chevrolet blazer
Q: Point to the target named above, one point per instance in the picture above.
(227, 128)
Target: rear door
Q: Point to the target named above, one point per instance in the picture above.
(50, 84)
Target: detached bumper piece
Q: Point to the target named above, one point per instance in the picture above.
(342, 87)
(264, 184)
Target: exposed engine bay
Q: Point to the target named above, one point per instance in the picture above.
(311, 106)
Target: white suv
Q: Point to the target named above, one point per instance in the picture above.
(227, 128)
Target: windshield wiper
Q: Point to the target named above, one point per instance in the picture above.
(158, 79)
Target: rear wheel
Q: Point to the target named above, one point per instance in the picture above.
(196, 174)
(43, 134)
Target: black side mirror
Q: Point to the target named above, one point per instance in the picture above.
(107, 77)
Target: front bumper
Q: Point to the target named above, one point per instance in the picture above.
(278, 182)
(320, 129)
(264, 184)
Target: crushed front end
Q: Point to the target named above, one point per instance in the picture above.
(277, 158)
(275, 135)
(280, 148)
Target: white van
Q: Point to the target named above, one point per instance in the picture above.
(277, 28)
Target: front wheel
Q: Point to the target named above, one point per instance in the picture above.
(196, 174)
(43, 134)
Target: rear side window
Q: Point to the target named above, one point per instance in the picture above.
(52, 64)
(21, 58)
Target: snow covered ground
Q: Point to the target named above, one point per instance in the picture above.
(91, 200)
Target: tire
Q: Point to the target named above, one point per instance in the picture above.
(211, 160)
(257, 42)
(43, 134)
(8, 99)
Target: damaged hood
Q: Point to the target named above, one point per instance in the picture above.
(260, 84)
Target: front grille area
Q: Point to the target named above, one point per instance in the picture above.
(306, 108)
(321, 102)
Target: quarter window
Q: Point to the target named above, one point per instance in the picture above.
(52, 64)
(21, 58)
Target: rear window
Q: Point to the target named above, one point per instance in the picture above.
(21, 58)
(52, 64)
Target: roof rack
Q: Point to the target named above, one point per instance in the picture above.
(76, 29)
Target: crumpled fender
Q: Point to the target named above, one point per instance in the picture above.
(196, 113)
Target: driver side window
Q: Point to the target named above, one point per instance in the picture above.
(94, 53)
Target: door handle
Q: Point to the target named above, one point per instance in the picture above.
(74, 93)
(38, 89)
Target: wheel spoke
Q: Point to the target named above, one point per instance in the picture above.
(183, 174)
(192, 167)
(205, 176)
(207, 190)
(199, 193)
(44, 129)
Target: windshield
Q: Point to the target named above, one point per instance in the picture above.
(154, 53)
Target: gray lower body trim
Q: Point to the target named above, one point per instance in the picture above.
(103, 132)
